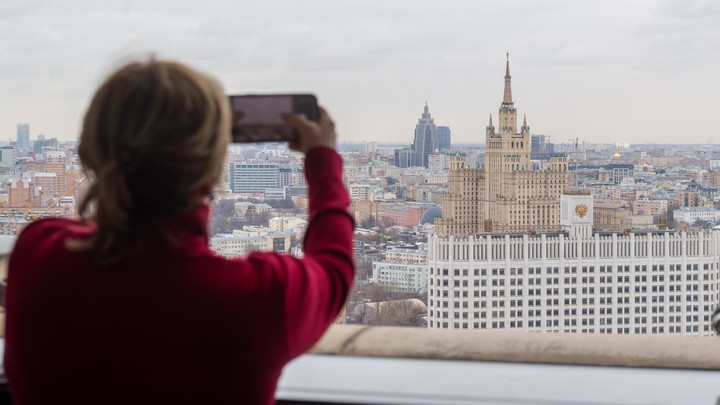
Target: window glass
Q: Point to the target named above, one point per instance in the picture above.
(574, 166)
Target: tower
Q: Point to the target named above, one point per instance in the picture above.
(426, 139)
(510, 195)
(507, 114)
(23, 137)
(443, 137)
(507, 152)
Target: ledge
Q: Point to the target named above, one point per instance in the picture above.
(651, 351)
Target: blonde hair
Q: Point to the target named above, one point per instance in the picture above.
(153, 140)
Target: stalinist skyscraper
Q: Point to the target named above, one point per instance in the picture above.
(508, 194)
(426, 139)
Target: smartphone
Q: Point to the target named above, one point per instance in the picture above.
(259, 118)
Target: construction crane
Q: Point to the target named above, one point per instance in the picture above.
(9, 219)
(31, 214)
(18, 217)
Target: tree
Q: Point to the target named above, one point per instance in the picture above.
(367, 223)
(376, 304)
(281, 204)
(404, 312)
(260, 219)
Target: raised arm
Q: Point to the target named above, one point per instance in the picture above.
(316, 292)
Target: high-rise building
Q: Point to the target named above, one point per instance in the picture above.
(538, 147)
(404, 158)
(7, 156)
(654, 282)
(20, 193)
(23, 137)
(254, 177)
(443, 137)
(426, 139)
(55, 163)
(507, 195)
(43, 144)
(515, 250)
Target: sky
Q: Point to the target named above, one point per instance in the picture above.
(634, 71)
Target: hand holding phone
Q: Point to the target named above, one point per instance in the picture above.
(312, 134)
(259, 118)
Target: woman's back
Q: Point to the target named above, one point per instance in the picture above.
(172, 322)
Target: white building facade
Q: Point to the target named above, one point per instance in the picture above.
(657, 282)
(242, 244)
(690, 215)
(401, 277)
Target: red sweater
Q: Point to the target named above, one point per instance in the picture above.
(173, 325)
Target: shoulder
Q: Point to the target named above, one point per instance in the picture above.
(54, 225)
(39, 235)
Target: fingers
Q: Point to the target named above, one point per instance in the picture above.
(294, 146)
(324, 118)
(312, 134)
(300, 123)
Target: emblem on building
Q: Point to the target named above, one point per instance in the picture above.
(581, 210)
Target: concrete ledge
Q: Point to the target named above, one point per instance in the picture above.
(656, 351)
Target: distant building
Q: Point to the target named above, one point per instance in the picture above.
(654, 208)
(537, 266)
(246, 208)
(690, 215)
(403, 269)
(575, 281)
(240, 244)
(508, 194)
(403, 215)
(254, 177)
(55, 163)
(612, 217)
(401, 277)
(360, 191)
(619, 171)
(41, 145)
(23, 193)
(364, 211)
(689, 198)
(443, 137)
(47, 182)
(404, 158)
(287, 224)
(7, 156)
(275, 193)
(538, 147)
(426, 139)
(23, 137)
(713, 178)
(438, 161)
(285, 177)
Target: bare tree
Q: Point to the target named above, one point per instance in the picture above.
(376, 304)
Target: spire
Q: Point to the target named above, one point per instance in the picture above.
(490, 129)
(426, 112)
(507, 98)
(525, 128)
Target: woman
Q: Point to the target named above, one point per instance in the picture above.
(129, 305)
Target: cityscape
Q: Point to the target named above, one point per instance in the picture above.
(518, 231)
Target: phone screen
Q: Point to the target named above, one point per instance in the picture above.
(262, 110)
(259, 118)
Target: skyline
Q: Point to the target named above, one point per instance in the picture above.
(637, 72)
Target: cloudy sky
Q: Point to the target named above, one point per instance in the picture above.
(602, 71)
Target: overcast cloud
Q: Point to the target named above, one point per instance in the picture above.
(632, 71)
